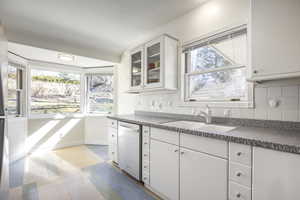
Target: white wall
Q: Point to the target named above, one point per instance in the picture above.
(17, 134)
(96, 130)
(48, 134)
(125, 101)
(210, 17)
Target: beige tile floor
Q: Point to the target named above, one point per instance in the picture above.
(76, 173)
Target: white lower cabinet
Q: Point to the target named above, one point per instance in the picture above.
(275, 175)
(202, 176)
(164, 169)
(113, 140)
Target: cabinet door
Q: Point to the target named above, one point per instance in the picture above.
(275, 38)
(202, 176)
(275, 175)
(154, 63)
(164, 169)
(136, 72)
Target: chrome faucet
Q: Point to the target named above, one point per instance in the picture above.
(207, 115)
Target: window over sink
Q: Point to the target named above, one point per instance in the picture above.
(215, 68)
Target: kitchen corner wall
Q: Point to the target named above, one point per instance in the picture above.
(47, 134)
(209, 17)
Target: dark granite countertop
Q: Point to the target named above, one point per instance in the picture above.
(271, 138)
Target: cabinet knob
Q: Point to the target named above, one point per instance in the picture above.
(176, 150)
(145, 155)
(145, 167)
(145, 178)
(255, 71)
(238, 174)
(145, 143)
(182, 152)
(112, 152)
(238, 195)
(239, 153)
(112, 136)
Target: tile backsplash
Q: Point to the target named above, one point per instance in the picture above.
(273, 101)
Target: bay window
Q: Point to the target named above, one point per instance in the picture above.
(54, 92)
(216, 66)
(99, 93)
(15, 89)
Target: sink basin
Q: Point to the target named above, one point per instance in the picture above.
(185, 124)
(201, 126)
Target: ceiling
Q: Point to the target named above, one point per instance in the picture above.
(38, 54)
(101, 29)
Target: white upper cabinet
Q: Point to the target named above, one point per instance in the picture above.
(136, 68)
(275, 41)
(154, 66)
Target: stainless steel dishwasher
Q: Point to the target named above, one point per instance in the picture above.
(129, 138)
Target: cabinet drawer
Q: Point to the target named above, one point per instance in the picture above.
(171, 137)
(113, 135)
(146, 131)
(240, 174)
(239, 192)
(146, 167)
(240, 153)
(204, 144)
(146, 178)
(113, 123)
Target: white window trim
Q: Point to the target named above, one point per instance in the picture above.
(23, 65)
(249, 103)
(39, 65)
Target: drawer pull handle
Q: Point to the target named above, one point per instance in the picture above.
(239, 153)
(176, 150)
(145, 143)
(239, 174)
(238, 195)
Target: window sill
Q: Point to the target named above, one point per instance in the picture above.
(98, 115)
(55, 116)
(221, 104)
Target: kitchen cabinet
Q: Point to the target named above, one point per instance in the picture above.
(113, 140)
(275, 175)
(164, 169)
(136, 68)
(202, 176)
(154, 65)
(275, 41)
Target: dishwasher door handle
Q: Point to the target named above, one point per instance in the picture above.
(130, 127)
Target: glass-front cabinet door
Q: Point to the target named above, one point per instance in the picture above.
(136, 69)
(153, 68)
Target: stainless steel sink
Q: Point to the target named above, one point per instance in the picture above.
(201, 126)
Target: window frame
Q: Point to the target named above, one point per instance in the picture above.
(87, 85)
(187, 100)
(21, 87)
(39, 65)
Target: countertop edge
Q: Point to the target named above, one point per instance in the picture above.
(235, 139)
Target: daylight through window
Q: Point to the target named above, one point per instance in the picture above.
(15, 89)
(54, 92)
(216, 67)
(100, 93)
